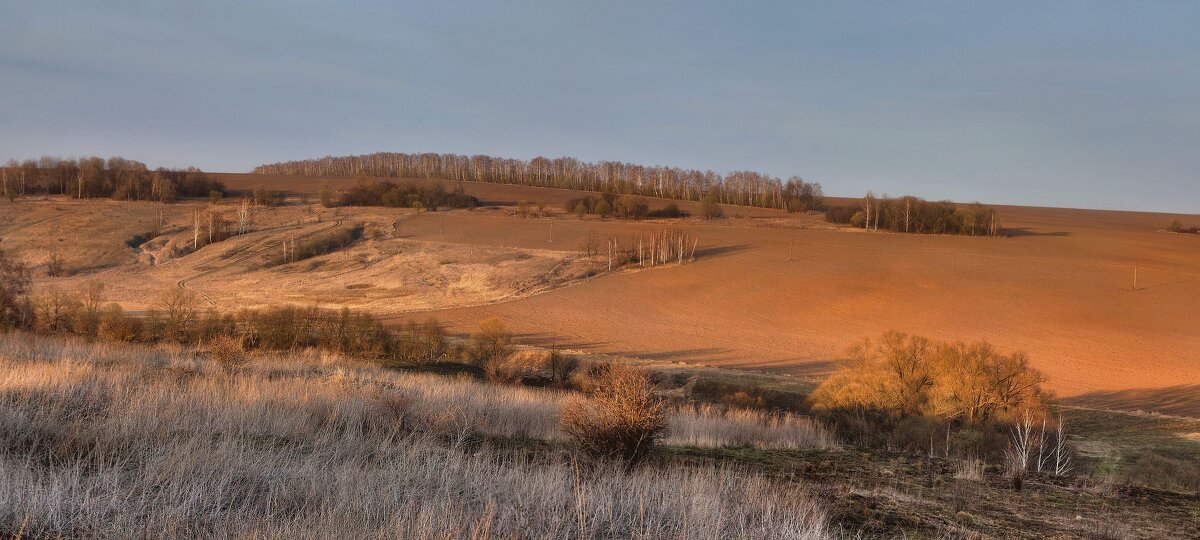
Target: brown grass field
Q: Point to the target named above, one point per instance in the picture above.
(767, 291)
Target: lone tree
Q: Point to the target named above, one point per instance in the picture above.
(326, 195)
(621, 418)
(709, 208)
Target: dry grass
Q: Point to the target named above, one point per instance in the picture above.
(969, 469)
(709, 426)
(100, 440)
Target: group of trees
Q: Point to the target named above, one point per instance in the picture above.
(622, 206)
(115, 177)
(666, 246)
(741, 187)
(178, 317)
(1176, 226)
(907, 375)
(369, 192)
(910, 214)
(907, 391)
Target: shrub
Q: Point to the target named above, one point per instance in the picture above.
(420, 343)
(263, 197)
(1162, 472)
(55, 267)
(670, 211)
(840, 214)
(55, 309)
(116, 326)
(213, 323)
(326, 195)
(603, 208)
(227, 351)
(709, 208)
(14, 284)
(491, 346)
(178, 309)
(560, 367)
(621, 418)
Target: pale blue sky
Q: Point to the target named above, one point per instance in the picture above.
(1093, 104)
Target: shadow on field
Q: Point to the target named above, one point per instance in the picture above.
(1182, 400)
(1025, 232)
(681, 354)
(815, 369)
(555, 341)
(717, 251)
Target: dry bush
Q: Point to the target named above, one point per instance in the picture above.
(621, 418)
(227, 351)
(116, 326)
(560, 367)
(131, 441)
(420, 343)
(1162, 472)
(178, 309)
(490, 347)
(55, 310)
(14, 284)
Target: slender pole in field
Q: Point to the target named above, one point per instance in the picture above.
(1135, 277)
(551, 232)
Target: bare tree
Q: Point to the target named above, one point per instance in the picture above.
(179, 310)
(196, 231)
(907, 213)
(245, 216)
(1063, 464)
(868, 207)
(1020, 445)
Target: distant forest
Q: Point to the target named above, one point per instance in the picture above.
(910, 214)
(116, 177)
(744, 188)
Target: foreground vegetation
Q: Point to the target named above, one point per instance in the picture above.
(936, 428)
(126, 441)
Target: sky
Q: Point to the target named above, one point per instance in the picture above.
(1080, 104)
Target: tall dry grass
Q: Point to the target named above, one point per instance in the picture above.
(100, 440)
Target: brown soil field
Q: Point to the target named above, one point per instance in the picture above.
(767, 291)
(784, 293)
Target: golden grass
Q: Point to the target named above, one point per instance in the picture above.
(119, 441)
